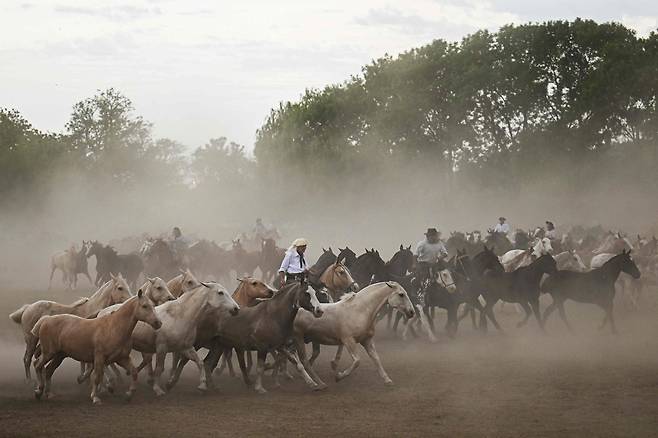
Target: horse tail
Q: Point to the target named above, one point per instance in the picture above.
(18, 314)
(37, 326)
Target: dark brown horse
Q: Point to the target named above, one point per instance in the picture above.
(520, 286)
(109, 262)
(594, 287)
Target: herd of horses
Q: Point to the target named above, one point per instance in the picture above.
(339, 303)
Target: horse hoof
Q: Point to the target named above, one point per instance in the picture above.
(203, 387)
(128, 396)
(339, 377)
(320, 387)
(159, 392)
(37, 394)
(388, 382)
(261, 390)
(97, 401)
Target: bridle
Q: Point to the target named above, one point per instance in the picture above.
(443, 283)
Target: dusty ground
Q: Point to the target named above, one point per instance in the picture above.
(522, 384)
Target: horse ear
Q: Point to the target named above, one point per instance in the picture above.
(409, 248)
(401, 247)
(113, 277)
(140, 293)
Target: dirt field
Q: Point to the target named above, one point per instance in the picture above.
(521, 384)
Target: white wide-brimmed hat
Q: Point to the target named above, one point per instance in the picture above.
(299, 242)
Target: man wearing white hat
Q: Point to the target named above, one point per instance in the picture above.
(293, 267)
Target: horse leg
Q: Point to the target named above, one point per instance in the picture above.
(50, 370)
(534, 303)
(127, 364)
(99, 366)
(427, 324)
(147, 362)
(301, 354)
(563, 315)
(369, 345)
(315, 354)
(294, 358)
(191, 354)
(490, 314)
(611, 318)
(451, 325)
(160, 354)
(243, 367)
(173, 379)
(52, 272)
(250, 362)
(350, 345)
(334, 363)
(30, 347)
(85, 371)
(260, 370)
(528, 313)
(410, 322)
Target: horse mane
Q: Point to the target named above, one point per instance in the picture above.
(327, 259)
(80, 301)
(347, 297)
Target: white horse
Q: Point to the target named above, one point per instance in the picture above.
(517, 258)
(65, 261)
(570, 261)
(180, 319)
(114, 291)
(349, 322)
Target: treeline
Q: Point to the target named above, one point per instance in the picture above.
(559, 104)
(106, 147)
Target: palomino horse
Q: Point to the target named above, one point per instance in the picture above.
(114, 291)
(102, 341)
(156, 290)
(338, 280)
(265, 328)
(349, 322)
(516, 258)
(183, 283)
(520, 286)
(180, 320)
(595, 287)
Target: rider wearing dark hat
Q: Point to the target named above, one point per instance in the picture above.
(428, 252)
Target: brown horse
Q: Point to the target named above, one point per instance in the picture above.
(248, 293)
(103, 341)
(182, 283)
(337, 279)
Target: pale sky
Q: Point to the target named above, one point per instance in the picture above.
(200, 69)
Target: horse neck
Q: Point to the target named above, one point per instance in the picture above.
(282, 309)
(395, 266)
(372, 301)
(534, 271)
(190, 305)
(240, 296)
(99, 300)
(612, 268)
(124, 320)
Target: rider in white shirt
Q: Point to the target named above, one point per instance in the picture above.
(502, 226)
(294, 267)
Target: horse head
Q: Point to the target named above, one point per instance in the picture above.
(399, 300)
(219, 298)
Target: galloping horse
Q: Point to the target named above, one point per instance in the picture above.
(516, 258)
(102, 341)
(520, 286)
(114, 291)
(349, 322)
(108, 262)
(266, 328)
(595, 287)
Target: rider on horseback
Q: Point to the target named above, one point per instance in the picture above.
(294, 267)
(502, 226)
(178, 244)
(428, 253)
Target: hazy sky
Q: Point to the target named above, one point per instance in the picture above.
(201, 69)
